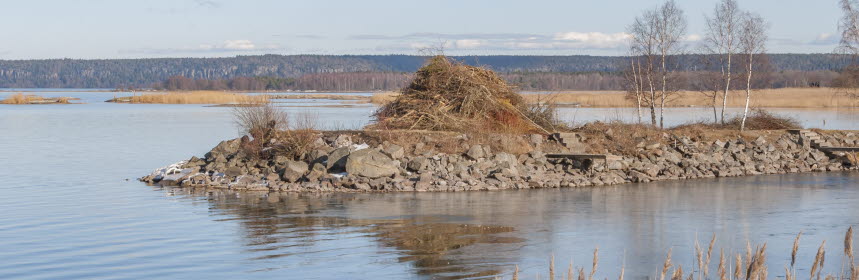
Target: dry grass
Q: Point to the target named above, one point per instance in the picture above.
(382, 98)
(758, 119)
(21, 99)
(321, 96)
(770, 98)
(270, 133)
(193, 97)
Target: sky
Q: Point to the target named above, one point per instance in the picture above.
(94, 29)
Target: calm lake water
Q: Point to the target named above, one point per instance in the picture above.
(72, 209)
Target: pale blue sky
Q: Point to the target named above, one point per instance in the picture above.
(216, 28)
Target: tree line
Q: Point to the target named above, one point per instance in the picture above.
(527, 81)
(555, 72)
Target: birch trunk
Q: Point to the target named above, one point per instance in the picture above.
(748, 93)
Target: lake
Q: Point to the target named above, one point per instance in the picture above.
(72, 209)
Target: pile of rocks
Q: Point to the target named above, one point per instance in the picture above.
(338, 164)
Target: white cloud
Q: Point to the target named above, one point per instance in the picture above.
(228, 46)
(468, 43)
(238, 45)
(826, 39)
(692, 38)
(594, 39)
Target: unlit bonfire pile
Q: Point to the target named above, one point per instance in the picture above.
(338, 164)
(450, 96)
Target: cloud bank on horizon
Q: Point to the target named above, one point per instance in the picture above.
(206, 28)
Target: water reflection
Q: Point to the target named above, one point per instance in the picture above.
(278, 226)
(476, 234)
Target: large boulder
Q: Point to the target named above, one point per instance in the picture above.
(371, 164)
(293, 170)
(337, 159)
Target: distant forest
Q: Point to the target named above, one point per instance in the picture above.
(364, 72)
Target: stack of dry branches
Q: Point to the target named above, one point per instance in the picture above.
(449, 96)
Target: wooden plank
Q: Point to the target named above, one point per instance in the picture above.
(840, 149)
(585, 156)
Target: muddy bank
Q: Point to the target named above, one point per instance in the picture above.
(354, 162)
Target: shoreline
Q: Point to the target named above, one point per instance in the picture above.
(374, 164)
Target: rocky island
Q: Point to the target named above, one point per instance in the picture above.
(462, 128)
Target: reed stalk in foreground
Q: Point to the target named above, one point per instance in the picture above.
(753, 267)
(596, 261)
(818, 261)
(666, 265)
(794, 250)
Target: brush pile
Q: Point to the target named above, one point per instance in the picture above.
(446, 95)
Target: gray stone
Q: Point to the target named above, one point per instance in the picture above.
(234, 171)
(316, 172)
(371, 164)
(293, 170)
(418, 164)
(475, 152)
(343, 141)
(337, 159)
(394, 151)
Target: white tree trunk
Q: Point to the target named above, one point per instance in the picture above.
(727, 87)
(748, 94)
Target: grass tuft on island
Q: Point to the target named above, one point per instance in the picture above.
(193, 97)
(32, 99)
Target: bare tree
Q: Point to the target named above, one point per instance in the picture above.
(849, 27)
(671, 27)
(656, 38)
(635, 84)
(644, 52)
(709, 83)
(722, 40)
(753, 40)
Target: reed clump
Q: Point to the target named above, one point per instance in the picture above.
(194, 97)
(446, 95)
(21, 99)
(749, 266)
(270, 132)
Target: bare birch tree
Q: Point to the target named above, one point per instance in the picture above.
(643, 50)
(634, 84)
(656, 38)
(753, 40)
(849, 27)
(671, 27)
(721, 39)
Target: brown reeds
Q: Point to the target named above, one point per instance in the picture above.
(769, 98)
(194, 97)
(596, 261)
(753, 267)
(794, 250)
(450, 96)
(22, 99)
(516, 273)
(666, 265)
(848, 244)
(818, 261)
(570, 273)
(709, 256)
